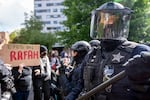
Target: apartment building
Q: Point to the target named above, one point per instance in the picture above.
(50, 13)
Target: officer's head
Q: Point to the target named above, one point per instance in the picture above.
(80, 48)
(94, 43)
(110, 22)
(43, 51)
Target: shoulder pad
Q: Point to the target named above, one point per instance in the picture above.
(128, 46)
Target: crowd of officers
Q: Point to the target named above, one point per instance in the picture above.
(65, 77)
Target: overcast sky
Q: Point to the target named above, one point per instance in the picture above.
(12, 13)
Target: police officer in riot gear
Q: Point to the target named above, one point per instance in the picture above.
(110, 24)
(70, 80)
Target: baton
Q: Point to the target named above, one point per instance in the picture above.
(103, 85)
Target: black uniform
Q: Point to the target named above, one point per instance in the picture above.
(110, 24)
(105, 65)
(71, 81)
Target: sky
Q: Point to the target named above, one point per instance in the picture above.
(12, 13)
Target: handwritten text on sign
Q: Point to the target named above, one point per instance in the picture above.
(20, 53)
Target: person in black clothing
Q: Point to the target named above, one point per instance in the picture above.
(23, 82)
(41, 76)
(69, 77)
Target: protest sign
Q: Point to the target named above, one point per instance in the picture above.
(16, 54)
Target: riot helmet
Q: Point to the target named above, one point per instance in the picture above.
(80, 49)
(81, 46)
(110, 21)
(94, 43)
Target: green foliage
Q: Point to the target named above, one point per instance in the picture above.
(127, 3)
(13, 35)
(32, 34)
(140, 22)
(78, 14)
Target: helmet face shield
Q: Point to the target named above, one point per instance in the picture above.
(111, 24)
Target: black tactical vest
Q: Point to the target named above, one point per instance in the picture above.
(101, 64)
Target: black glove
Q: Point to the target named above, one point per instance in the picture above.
(138, 68)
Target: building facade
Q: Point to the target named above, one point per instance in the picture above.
(50, 12)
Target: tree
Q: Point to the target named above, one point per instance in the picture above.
(32, 34)
(140, 22)
(13, 35)
(78, 14)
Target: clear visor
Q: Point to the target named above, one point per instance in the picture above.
(109, 25)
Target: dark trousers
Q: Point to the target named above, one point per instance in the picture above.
(41, 87)
(21, 95)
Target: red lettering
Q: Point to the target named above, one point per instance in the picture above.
(35, 54)
(30, 54)
(20, 57)
(25, 54)
(12, 56)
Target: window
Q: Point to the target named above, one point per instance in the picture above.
(42, 10)
(54, 4)
(55, 22)
(58, 28)
(38, 5)
(48, 16)
(58, 15)
(55, 10)
(49, 28)
(58, 4)
(53, 16)
(53, 28)
(49, 4)
(46, 22)
(61, 10)
(39, 17)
